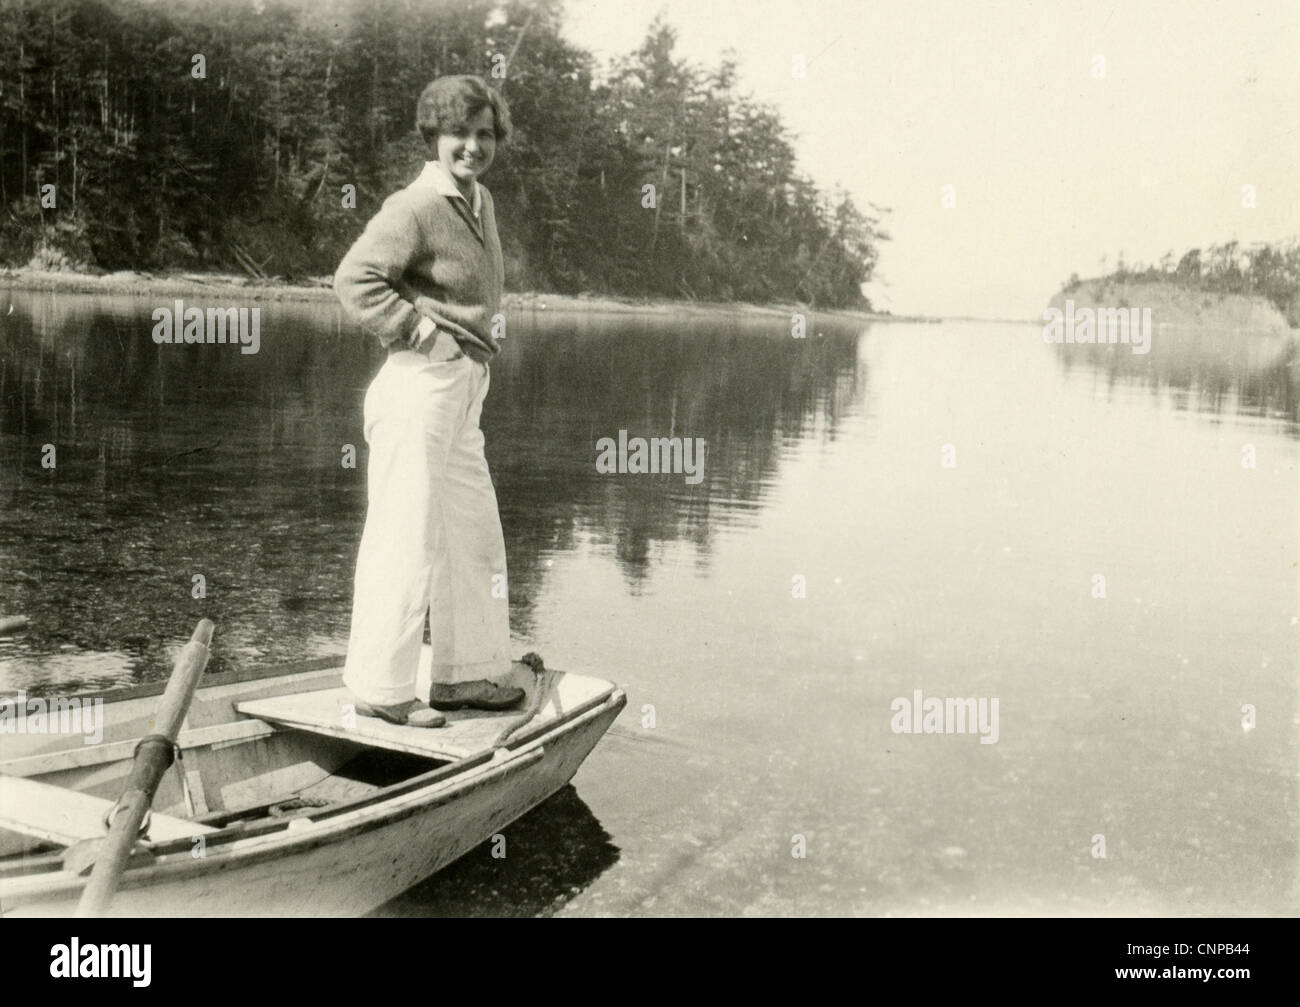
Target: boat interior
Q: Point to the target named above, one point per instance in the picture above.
(255, 756)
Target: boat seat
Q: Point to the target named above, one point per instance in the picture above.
(326, 711)
(58, 815)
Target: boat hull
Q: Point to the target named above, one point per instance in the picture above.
(349, 865)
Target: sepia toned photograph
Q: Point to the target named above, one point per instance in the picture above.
(651, 458)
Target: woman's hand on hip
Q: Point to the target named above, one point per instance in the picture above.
(439, 346)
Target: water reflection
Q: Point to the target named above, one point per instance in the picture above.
(172, 462)
(551, 855)
(1215, 371)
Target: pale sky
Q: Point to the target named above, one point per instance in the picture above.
(1052, 167)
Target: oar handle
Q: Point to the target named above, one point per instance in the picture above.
(185, 679)
(152, 757)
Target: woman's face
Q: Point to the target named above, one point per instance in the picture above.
(467, 152)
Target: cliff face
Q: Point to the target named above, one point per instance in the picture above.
(1177, 307)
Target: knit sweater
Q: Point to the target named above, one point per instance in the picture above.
(424, 255)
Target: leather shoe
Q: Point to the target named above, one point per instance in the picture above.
(412, 713)
(478, 695)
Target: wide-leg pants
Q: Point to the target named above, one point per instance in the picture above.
(432, 545)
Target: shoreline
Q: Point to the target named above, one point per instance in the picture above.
(130, 283)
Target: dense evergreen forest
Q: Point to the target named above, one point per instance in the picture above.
(222, 136)
(1269, 271)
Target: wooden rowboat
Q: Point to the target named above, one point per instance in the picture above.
(283, 803)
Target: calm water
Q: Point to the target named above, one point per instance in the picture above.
(1119, 716)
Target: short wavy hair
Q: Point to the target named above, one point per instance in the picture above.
(449, 103)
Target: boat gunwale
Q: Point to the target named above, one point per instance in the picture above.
(432, 777)
(238, 848)
(121, 693)
(240, 728)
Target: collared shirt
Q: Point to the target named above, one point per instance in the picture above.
(423, 255)
(436, 175)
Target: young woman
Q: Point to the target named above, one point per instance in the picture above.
(425, 277)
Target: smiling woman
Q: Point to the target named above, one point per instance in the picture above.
(425, 278)
(462, 120)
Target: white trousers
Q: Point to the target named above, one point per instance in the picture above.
(432, 545)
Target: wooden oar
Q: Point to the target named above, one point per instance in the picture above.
(152, 757)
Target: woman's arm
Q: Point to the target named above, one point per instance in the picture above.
(368, 282)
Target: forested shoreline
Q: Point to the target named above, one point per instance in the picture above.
(191, 136)
(1270, 271)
